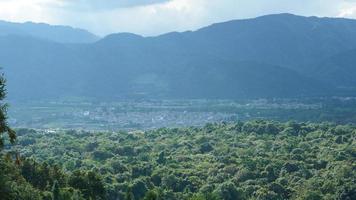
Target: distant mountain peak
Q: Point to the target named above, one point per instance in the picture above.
(55, 33)
(123, 35)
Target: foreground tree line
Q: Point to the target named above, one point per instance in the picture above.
(250, 160)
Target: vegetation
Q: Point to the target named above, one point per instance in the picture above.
(4, 128)
(251, 160)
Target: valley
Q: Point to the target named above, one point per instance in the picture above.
(257, 108)
(151, 114)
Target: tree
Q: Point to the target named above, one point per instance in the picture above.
(161, 158)
(95, 186)
(7, 171)
(228, 191)
(89, 183)
(151, 195)
(4, 127)
(129, 195)
(206, 147)
(55, 191)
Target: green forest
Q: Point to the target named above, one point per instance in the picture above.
(227, 161)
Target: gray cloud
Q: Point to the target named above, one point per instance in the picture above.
(153, 17)
(84, 5)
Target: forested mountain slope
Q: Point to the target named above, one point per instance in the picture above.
(340, 69)
(271, 56)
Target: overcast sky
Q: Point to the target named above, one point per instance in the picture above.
(153, 17)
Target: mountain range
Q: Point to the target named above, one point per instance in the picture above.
(61, 34)
(273, 56)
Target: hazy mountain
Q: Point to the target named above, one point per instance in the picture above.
(340, 69)
(287, 40)
(271, 56)
(62, 34)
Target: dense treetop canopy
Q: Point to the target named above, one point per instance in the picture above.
(250, 160)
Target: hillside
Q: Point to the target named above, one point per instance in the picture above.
(61, 34)
(340, 69)
(270, 56)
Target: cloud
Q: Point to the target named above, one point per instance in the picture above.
(152, 17)
(95, 5)
(348, 12)
(181, 15)
(24, 10)
(348, 9)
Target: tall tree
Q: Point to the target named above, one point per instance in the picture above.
(55, 191)
(4, 127)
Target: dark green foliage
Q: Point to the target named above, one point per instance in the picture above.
(89, 183)
(32, 180)
(4, 128)
(101, 155)
(129, 195)
(228, 191)
(161, 158)
(206, 147)
(55, 191)
(95, 186)
(13, 185)
(139, 189)
(151, 195)
(244, 160)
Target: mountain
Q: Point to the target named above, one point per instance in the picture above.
(288, 40)
(340, 69)
(271, 56)
(61, 34)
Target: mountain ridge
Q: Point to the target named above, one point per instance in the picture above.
(266, 57)
(55, 33)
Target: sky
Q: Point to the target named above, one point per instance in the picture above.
(154, 17)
